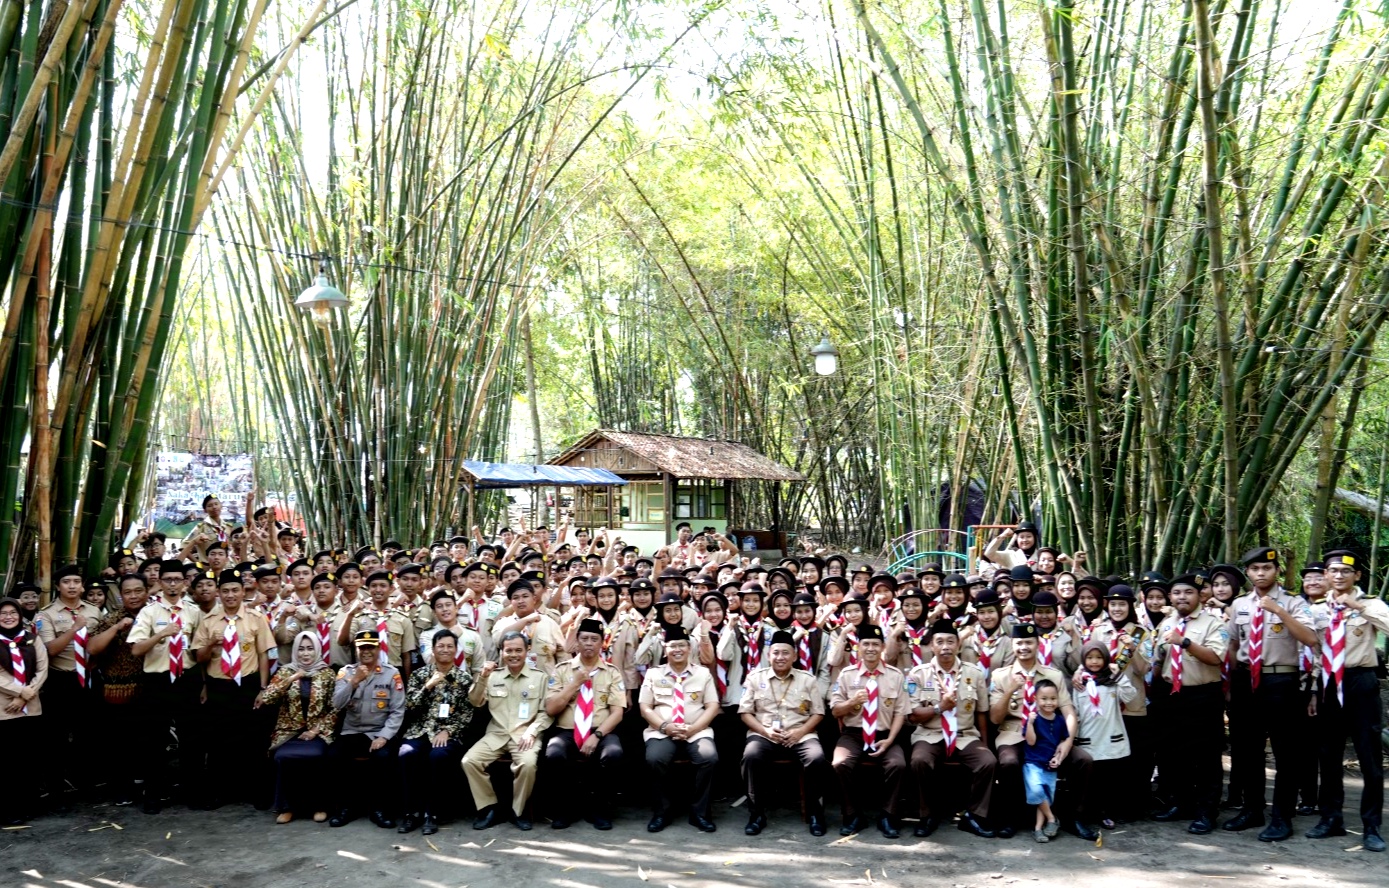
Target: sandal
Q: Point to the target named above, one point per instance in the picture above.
(1107, 823)
(286, 817)
(320, 816)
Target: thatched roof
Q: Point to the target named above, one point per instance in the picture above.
(689, 457)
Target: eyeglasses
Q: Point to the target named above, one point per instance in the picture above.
(1340, 571)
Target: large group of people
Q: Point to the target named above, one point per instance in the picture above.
(404, 684)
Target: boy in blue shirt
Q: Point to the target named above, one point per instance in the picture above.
(1045, 732)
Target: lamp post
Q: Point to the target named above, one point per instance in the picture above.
(321, 297)
(826, 356)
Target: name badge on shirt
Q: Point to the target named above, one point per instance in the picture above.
(524, 711)
(443, 710)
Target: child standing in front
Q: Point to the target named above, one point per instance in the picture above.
(1045, 732)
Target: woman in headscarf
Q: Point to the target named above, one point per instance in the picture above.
(23, 670)
(1099, 703)
(303, 730)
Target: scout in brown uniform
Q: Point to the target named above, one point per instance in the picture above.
(1348, 624)
(948, 699)
(235, 645)
(1125, 639)
(782, 707)
(1266, 701)
(515, 699)
(679, 702)
(586, 698)
(1011, 696)
(67, 702)
(1191, 649)
(395, 628)
(544, 639)
(23, 671)
(869, 700)
(987, 644)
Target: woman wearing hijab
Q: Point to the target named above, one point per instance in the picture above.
(23, 670)
(1099, 699)
(303, 730)
(1130, 648)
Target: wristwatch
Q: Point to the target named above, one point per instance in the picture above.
(598, 733)
(1186, 643)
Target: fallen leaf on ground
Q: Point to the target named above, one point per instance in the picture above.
(641, 874)
(1356, 848)
(1095, 856)
(1099, 840)
(567, 868)
(432, 845)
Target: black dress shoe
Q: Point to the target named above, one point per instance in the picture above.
(924, 828)
(1326, 828)
(1167, 815)
(430, 826)
(342, 818)
(1201, 826)
(1372, 840)
(886, 827)
(657, 823)
(380, 819)
(1084, 831)
(1007, 831)
(603, 823)
(851, 826)
(523, 823)
(1277, 830)
(703, 824)
(970, 824)
(559, 823)
(487, 818)
(409, 823)
(1306, 810)
(817, 825)
(756, 823)
(1244, 820)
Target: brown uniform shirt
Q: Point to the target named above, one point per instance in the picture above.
(515, 702)
(892, 697)
(1010, 731)
(546, 641)
(975, 642)
(1280, 648)
(400, 631)
(609, 690)
(1360, 629)
(658, 692)
(791, 700)
(925, 685)
(1202, 628)
(55, 620)
(152, 619)
(252, 631)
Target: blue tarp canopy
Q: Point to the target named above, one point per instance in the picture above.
(497, 475)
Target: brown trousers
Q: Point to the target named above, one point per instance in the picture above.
(976, 757)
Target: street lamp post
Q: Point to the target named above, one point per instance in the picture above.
(321, 297)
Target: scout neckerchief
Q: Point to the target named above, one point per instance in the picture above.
(870, 710)
(175, 642)
(987, 645)
(1029, 696)
(1333, 657)
(948, 724)
(17, 661)
(1256, 642)
(79, 644)
(583, 711)
(1092, 690)
(916, 638)
(677, 703)
(720, 666)
(231, 650)
(752, 648)
(805, 655)
(1045, 643)
(1176, 654)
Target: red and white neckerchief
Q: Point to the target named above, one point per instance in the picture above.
(803, 657)
(916, 638)
(986, 648)
(870, 710)
(1176, 654)
(1333, 656)
(753, 650)
(79, 646)
(176, 643)
(1092, 690)
(17, 662)
(963, 619)
(382, 621)
(583, 711)
(851, 647)
(948, 724)
(720, 666)
(1256, 644)
(1045, 643)
(231, 651)
(467, 614)
(885, 612)
(325, 639)
(1029, 698)
(677, 702)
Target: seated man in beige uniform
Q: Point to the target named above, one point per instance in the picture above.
(870, 702)
(515, 697)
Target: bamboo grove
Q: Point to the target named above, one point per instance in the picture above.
(444, 137)
(114, 117)
(1117, 263)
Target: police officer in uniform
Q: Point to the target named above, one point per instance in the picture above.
(948, 698)
(782, 707)
(1190, 651)
(1266, 702)
(1347, 625)
(373, 695)
(586, 698)
(515, 698)
(852, 701)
